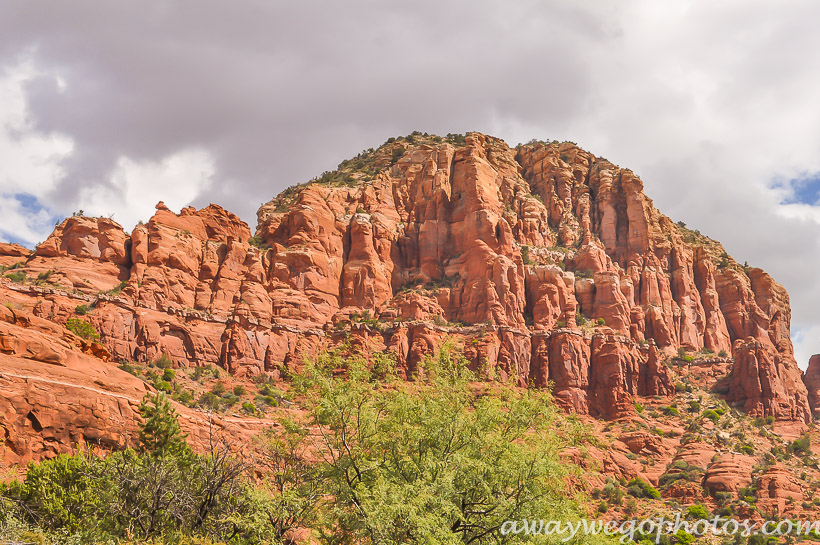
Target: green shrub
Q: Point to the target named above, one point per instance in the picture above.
(397, 154)
(163, 386)
(723, 354)
(697, 511)
(257, 242)
(82, 329)
(600, 321)
(116, 290)
(218, 388)
(162, 493)
(800, 446)
(238, 390)
(525, 254)
(81, 309)
(671, 411)
(641, 489)
(712, 415)
(168, 375)
(185, 397)
(128, 368)
(209, 401)
(425, 446)
(163, 361)
(268, 400)
(694, 406)
(18, 277)
(684, 538)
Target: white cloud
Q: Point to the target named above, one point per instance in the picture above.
(712, 104)
(33, 168)
(135, 187)
(31, 162)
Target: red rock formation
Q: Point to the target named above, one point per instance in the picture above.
(776, 488)
(56, 394)
(729, 473)
(767, 382)
(811, 378)
(12, 253)
(547, 263)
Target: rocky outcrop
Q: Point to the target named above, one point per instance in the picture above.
(777, 488)
(11, 254)
(548, 265)
(811, 378)
(767, 382)
(56, 395)
(729, 473)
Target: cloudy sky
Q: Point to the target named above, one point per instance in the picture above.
(110, 107)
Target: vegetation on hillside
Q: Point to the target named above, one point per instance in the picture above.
(372, 460)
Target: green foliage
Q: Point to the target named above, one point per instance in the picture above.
(163, 361)
(712, 415)
(397, 154)
(455, 139)
(169, 375)
(83, 329)
(641, 489)
(57, 493)
(257, 242)
(431, 462)
(128, 368)
(671, 411)
(697, 511)
(681, 471)
(580, 319)
(611, 491)
(760, 421)
(160, 433)
(800, 446)
(162, 496)
(163, 386)
(209, 401)
(525, 254)
(684, 538)
(600, 321)
(116, 290)
(218, 388)
(365, 318)
(81, 309)
(18, 277)
(723, 354)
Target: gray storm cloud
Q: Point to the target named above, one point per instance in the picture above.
(111, 107)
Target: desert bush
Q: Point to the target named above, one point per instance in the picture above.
(83, 329)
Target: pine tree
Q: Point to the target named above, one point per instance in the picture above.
(160, 434)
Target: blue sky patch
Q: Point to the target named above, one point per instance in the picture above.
(804, 190)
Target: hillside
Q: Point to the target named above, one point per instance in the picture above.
(545, 264)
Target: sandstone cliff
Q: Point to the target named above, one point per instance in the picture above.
(548, 264)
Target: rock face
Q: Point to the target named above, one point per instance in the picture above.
(811, 378)
(56, 393)
(548, 264)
